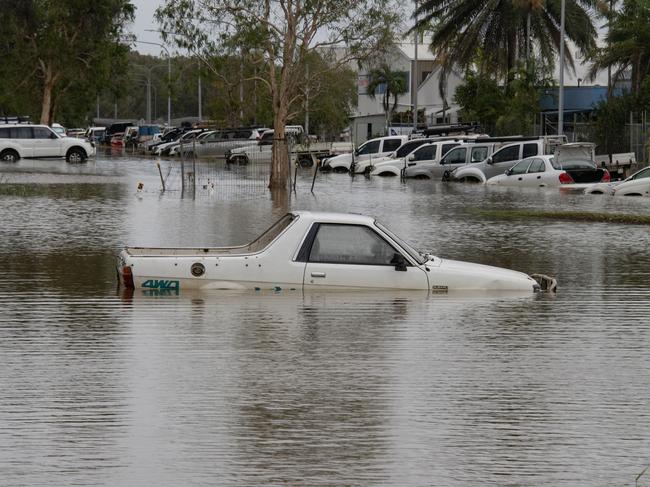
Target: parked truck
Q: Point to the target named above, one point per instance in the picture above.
(305, 151)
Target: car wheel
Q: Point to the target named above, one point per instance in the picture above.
(239, 160)
(422, 176)
(386, 174)
(75, 155)
(340, 170)
(446, 176)
(9, 155)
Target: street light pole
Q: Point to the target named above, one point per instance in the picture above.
(169, 79)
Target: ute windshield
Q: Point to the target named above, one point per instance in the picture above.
(418, 256)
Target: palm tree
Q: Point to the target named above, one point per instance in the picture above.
(502, 32)
(394, 83)
(628, 45)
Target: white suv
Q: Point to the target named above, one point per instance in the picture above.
(22, 141)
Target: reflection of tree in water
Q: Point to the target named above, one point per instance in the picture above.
(317, 387)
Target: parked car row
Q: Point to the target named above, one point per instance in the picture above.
(545, 161)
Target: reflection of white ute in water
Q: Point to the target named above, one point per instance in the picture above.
(305, 250)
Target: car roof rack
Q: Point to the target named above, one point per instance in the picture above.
(16, 119)
(452, 129)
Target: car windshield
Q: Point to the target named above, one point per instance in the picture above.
(418, 256)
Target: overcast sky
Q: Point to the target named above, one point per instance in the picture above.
(144, 20)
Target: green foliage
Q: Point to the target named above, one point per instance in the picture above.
(393, 83)
(627, 45)
(500, 110)
(481, 100)
(498, 30)
(279, 37)
(59, 53)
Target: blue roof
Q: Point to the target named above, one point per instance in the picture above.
(576, 98)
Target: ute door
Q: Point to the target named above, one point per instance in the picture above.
(502, 160)
(356, 256)
(456, 157)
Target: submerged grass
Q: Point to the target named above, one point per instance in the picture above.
(577, 216)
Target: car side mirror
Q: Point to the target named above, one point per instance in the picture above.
(399, 261)
(412, 157)
(489, 160)
(508, 172)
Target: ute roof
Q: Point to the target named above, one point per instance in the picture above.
(334, 217)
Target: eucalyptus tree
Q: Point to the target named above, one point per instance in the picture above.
(278, 36)
(627, 45)
(505, 32)
(392, 83)
(56, 47)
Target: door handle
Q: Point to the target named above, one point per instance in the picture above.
(539, 177)
(317, 274)
(520, 179)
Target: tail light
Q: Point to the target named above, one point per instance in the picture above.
(565, 178)
(606, 177)
(127, 277)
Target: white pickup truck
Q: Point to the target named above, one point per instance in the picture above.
(303, 150)
(306, 250)
(370, 152)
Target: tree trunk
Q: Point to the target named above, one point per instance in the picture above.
(280, 152)
(48, 88)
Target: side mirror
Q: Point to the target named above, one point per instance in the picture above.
(399, 261)
(508, 172)
(489, 160)
(412, 157)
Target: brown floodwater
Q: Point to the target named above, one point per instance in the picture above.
(100, 387)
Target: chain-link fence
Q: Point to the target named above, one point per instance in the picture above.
(632, 136)
(223, 169)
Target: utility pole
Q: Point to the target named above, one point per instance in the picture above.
(415, 79)
(560, 108)
(307, 99)
(200, 104)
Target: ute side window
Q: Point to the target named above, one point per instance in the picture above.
(510, 153)
(405, 149)
(350, 244)
(4, 132)
(455, 156)
(391, 144)
(479, 154)
(446, 148)
(530, 150)
(371, 147)
(426, 153)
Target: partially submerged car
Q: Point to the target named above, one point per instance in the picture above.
(371, 151)
(547, 171)
(639, 186)
(608, 188)
(305, 250)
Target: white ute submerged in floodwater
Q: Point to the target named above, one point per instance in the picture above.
(308, 250)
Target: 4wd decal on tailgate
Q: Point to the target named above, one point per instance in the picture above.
(160, 284)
